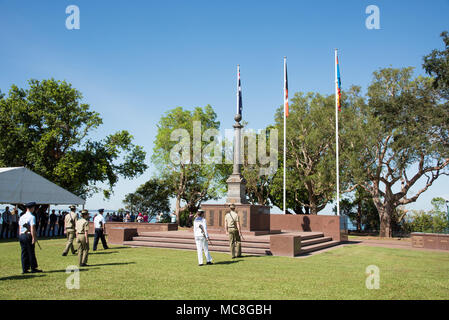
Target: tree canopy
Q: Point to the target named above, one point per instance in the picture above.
(181, 156)
(402, 137)
(46, 129)
(152, 197)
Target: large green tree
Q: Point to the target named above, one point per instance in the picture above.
(184, 162)
(436, 65)
(151, 197)
(400, 135)
(46, 129)
(310, 171)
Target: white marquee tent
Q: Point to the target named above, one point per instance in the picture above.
(21, 185)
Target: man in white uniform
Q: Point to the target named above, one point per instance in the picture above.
(201, 238)
(99, 224)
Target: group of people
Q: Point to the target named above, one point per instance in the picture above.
(46, 224)
(74, 227)
(140, 217)
(232, 228)
(10, 223)
(77, 229)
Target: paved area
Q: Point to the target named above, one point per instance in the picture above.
(395, 244)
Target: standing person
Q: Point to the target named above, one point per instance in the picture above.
(201, 238)
(5, 222)
(132, 217)
(69, 223)
(28, 238)
(61, 223)
(14, 223)
(127, 217)
(99, 224)
(139, 217)
(145, 217)
(82, 238)
(53, 218)
(43, 223)
(232, 227)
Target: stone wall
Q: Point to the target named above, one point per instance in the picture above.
(329, 225)
(438, 241)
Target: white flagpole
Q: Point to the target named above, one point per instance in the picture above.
(336, 133)
(285, 136)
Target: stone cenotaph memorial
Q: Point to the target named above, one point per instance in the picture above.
(254, 219)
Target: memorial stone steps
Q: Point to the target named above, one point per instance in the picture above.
(251, 245)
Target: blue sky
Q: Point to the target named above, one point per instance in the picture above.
(134, 60)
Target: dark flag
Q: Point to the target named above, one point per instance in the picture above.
(239, 93)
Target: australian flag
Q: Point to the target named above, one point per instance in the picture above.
(239, 94)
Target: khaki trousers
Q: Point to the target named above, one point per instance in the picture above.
(83, 248)
(69, 243)
(235, 243)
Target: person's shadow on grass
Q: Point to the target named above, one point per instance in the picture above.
(103, 252)
(226, 262)
(110, 264)
(65, 271)
(22, 276)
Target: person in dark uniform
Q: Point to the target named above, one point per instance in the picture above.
(28, 238)
(99, 224)
(53, 218)
(5, 222)
(43, 223)
(61, 223)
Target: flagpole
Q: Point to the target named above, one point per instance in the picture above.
(238, 80)
(285, 136)
(336, 133)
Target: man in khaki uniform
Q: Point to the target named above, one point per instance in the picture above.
(232, 227)
(69, 224)
(82, 238)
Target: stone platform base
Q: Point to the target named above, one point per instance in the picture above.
(285, 244)
(438, 241)
(252, 217)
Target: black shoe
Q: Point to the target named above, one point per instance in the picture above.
(24, 272)
(75, 252)
(84, 265)
(200, 265)
(210, 262)
(106, 248)
(36, 271)
(64, 254)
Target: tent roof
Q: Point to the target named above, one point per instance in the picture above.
(21, 185)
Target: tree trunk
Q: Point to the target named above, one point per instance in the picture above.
(179, 194)
(359, 216)
(385, 215)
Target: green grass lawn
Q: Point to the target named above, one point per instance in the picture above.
(147, 273)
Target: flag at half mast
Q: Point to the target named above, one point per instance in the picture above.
(239, 92)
